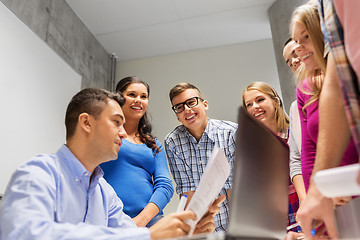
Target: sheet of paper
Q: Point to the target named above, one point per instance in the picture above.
(339, 181)
(211, 183)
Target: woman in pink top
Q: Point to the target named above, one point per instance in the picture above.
(305, 29)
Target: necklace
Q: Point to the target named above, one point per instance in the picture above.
(135, 139)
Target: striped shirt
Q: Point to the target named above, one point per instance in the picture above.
(188, 159)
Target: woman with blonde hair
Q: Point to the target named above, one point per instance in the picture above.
(306, 32)
(263, 102)
(276, 119)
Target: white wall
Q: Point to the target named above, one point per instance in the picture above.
(220, 73)
(35, 88)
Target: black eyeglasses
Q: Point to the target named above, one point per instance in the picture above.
(191, 102)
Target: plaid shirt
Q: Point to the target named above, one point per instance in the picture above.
(188, 159)
(334, 37)
(293, 197)
(293, 207)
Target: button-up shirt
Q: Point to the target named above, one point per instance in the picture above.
(55, 197)
(188, 159)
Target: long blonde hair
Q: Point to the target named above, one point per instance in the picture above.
(308, 15)
(282, 120)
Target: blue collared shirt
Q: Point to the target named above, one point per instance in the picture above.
(52, 197)
(188, 159)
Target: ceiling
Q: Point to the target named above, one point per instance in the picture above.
(133, 29)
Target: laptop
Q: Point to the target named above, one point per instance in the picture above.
(259, 199)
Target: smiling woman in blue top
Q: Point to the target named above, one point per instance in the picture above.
(140, 175)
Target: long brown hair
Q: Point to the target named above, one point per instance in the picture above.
(144, 127)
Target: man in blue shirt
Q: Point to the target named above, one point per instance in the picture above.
(189, 146)
(64, 196)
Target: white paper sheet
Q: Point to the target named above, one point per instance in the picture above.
(339, 181)
(211, 183)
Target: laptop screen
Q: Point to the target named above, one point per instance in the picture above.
(259, 201)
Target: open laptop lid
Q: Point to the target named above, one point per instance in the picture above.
(259, 200)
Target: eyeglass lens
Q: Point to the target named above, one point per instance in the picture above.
(192, 102)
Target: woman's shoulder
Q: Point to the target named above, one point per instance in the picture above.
(301, 89)
(157, 142)
(304, 84)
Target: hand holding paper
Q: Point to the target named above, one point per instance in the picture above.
(207, 222)
(211, 183)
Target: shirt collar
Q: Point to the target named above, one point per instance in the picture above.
(207, 132)
(75, 167)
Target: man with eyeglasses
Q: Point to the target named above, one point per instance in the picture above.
(290, 57)
(294, 62)
(189, 146)
(297, 191)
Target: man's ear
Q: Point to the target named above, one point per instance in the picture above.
(84, 122)
(206, 105)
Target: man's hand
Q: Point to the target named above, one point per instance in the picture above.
(207, 223)
(172, 225)
(317, 208)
